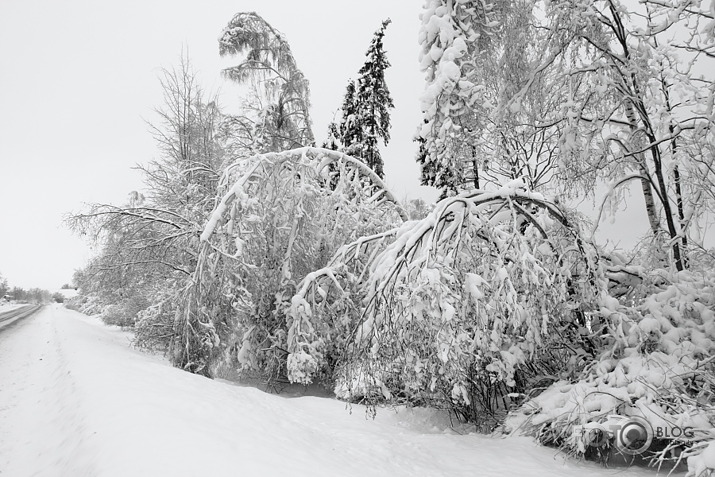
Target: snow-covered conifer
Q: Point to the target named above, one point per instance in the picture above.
(332, 142)
(351, 127)
(373, 103)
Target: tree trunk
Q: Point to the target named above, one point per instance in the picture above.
(681, 212)
(658, 165)
(676, 174)
(475, 167)
(635, 104)
(650, 207)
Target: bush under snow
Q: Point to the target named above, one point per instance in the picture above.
(465, 309)
(658, 363)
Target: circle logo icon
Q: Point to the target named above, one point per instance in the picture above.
(634, 436)
(595, 435)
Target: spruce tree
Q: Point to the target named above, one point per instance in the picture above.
(373, 102)
(366, 109)
(333, 140)
(351, 133)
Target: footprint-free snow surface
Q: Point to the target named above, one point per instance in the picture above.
(77, 400)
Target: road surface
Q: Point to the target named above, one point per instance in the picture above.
(8, 318)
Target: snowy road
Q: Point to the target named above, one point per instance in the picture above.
(77, 400)
(11, 315)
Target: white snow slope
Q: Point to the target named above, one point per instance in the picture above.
(77, 400)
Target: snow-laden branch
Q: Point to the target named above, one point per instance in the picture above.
(293, 156)
(507, 260)
(220, 209)
(279, 216)
(609, 193)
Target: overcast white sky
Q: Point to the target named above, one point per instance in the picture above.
(78, 79)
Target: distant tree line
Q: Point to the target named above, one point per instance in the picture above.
(32, 295)
(3, 286)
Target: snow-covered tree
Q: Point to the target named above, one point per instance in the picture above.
(373, 102)
(449, 39)
(479, 127)
(275, 221)
(631, 107)
(281, 96)
(510, 139)
(332, 142)
(191, 140)
(148, 245)
(480, 299)
(365, 111)
(351, 128)
(3, 286)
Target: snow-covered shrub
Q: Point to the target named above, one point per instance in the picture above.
(325, 311)
(478, 301)
(125, 313)
(89, 305)
(656, 363)
(154, 326)
(278, 217)
(417, 209)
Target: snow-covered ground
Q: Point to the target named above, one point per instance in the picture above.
(77, 400)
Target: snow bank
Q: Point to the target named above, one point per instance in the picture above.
(77, 400)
